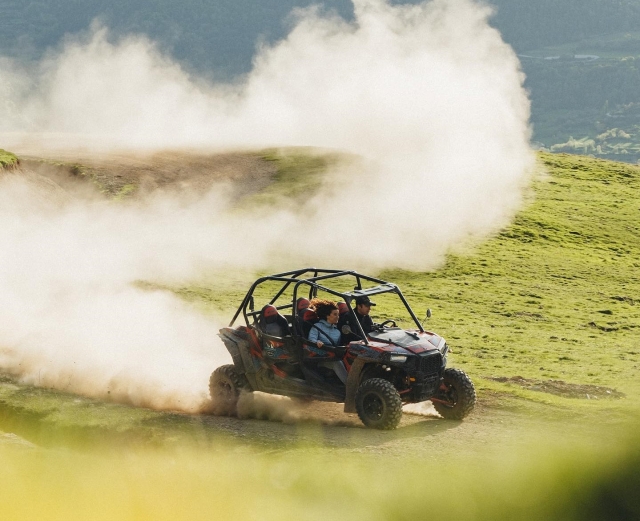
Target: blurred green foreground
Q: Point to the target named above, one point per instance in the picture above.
(551, 483)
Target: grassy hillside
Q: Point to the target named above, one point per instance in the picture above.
(544, 317)
(555, 296)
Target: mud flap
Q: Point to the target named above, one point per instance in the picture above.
(239, 349)
(353, 381)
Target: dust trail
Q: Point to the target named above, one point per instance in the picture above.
(428, 97)
(421, 409)
(71, 318)
(261, 406)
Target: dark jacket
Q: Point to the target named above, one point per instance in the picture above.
(365, 322)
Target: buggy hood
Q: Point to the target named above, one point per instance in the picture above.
(413, 341)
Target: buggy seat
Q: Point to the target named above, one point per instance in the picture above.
(273, 323)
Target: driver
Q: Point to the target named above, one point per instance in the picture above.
(363, 307)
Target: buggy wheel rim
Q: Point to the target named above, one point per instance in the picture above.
(373, 406)
(450, 397)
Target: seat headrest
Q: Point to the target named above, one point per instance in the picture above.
(269, 313)
(302, 303)
(342, 308)
(309, 315)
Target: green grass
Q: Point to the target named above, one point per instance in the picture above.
(52, 418)
(555, 295)
(7, 159)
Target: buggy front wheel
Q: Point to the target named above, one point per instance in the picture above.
(456, 396)
(378, 404)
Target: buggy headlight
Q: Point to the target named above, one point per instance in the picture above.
(398, 358)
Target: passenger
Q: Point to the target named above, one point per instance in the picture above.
(363, 307)
(325, 330)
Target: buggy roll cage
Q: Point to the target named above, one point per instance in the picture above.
(300, 278)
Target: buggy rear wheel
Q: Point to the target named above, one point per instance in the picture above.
(225, 385)
(456, 396)
(378, 404)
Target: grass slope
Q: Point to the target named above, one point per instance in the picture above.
(556, 295)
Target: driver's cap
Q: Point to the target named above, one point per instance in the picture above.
(365, 300)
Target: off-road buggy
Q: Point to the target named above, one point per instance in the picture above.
(385, 368)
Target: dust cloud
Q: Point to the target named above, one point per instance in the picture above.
(421, 409)
(71, 317)
(428, 98)
(262, 406)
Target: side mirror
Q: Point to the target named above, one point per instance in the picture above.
(429, 313)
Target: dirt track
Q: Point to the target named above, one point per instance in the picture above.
(497, 424)
(272, 423)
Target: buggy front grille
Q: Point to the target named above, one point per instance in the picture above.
(431, 363)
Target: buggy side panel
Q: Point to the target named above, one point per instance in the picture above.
(238, 343)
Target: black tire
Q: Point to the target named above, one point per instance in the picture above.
(225, 385)
(457, 396)
(378, 404)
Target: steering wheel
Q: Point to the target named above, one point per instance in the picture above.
(392, 322)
